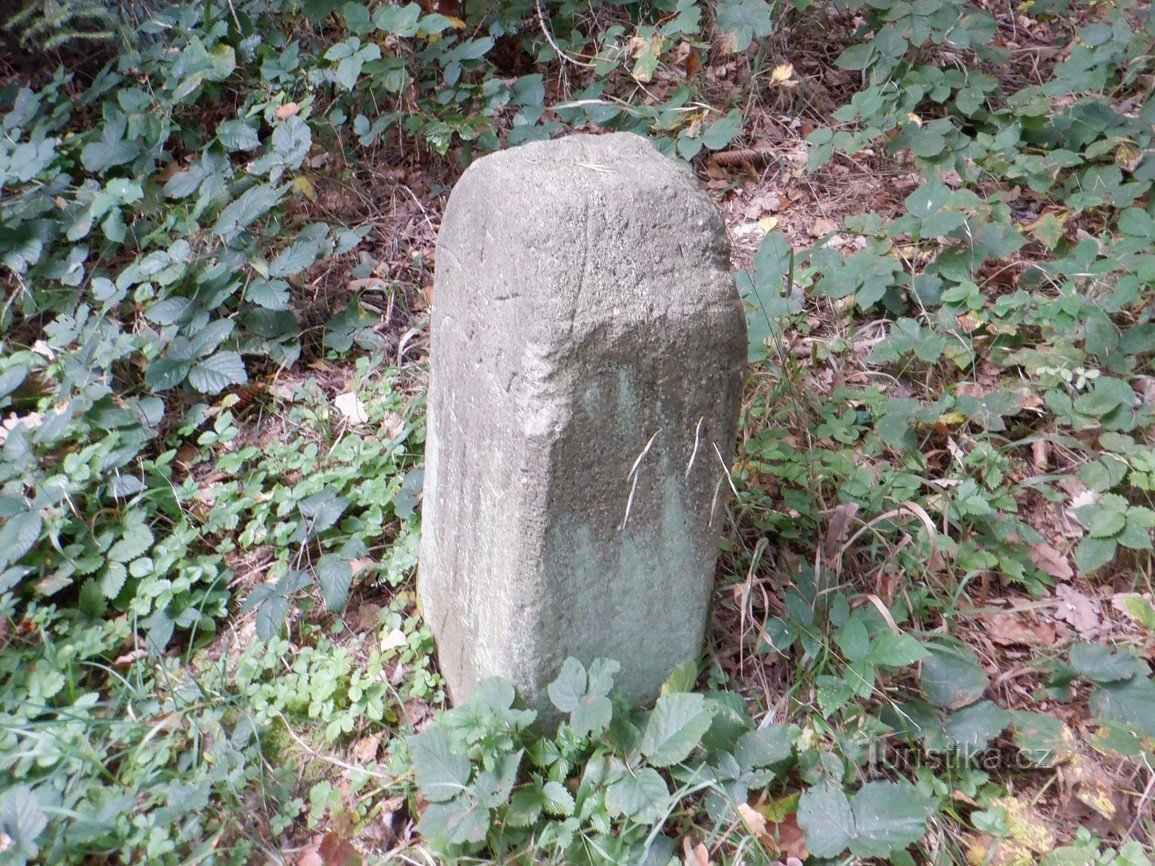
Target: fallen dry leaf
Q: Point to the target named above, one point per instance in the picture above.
(786, 838)
(752, 818)
(789, 839)
(392, 425)
(1007, 629)
(286, 110)
(365, 749)
(823, 226)
(359, 562)
(350, 405)
(1050, 561)
(367, 614)
(694, 854)
(336, 850)
(1081, 612)
(367, 284)
(394, 640)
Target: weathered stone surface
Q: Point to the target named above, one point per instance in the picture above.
(586, 366)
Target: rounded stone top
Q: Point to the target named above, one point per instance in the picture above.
(570, 243)
(617, 159)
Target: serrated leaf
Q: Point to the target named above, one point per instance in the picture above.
(1107, 523)
(682, 678)
(1093, 553)
(763, 747)
(17, 536)
(293, 259)
(334, 575)
(246, 209)
(888, 816)
(441, 773)
(398, 20)
(237, 135)
(742, 21)
(601, 676)
(23, 819)
(896, 650)
(136, 540)
(525, 807)
(322, 509)
(558, 800)
(825, 816)
(721, 132)
(674, 728)
(11, 379)
(270, 294)
(212, 375)
(455, 822)
(112, 581)
(881, 818)
(492, 787)
(640, 795)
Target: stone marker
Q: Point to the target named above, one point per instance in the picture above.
(586, 371)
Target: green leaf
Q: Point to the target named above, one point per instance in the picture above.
(17, 536)
(246, 209)
(825, 815)
(525, 806)
(322, 510)
(641, 795)
(1130, 703)
(742, 21)
(441, 773)
(11, 379)
(856, 56)
(1107, 523)
(398, 20)
(270, 294)
(237, 135)
(294, 259)
(457, 822)
(972, 728)
(113, 580)
(929, 205)
(1044, 740)
(722, 131)
(558, 800)
(592, 715)
(137, 538)
(601, 676)
(881, 818)
(1093, 553)
(334, 575)
(682, 679)
(952, 677)
(214, 374)
(674, 728)
(763, 747)
(22, 818)
(888, 816)
(896, 650)
(1100, 664)
(567, 690)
